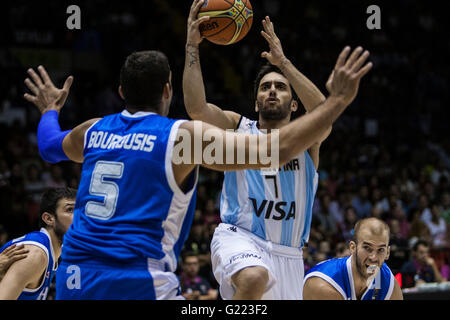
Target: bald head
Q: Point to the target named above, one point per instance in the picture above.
(370, 227)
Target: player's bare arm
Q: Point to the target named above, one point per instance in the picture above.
(9, 256)
(316, 288)
(295, 137)
(25, 273)
(397, 293)
(308, 93)
(47, 97)
(193, 86)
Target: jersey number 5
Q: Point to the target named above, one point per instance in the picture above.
(109, 190)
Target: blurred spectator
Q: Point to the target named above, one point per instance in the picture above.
(327, 223)
(350, 219)
(361, 203)
(418, 229)
(342, 250)
(424, 208)
(445, 207)
(421, 268)
(399, 246)
(437, 227)
(193, 286)
(199, 243)
(56, 178)
(210, 213)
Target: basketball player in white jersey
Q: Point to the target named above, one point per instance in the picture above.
(256, 251)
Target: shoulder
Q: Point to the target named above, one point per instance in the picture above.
(35, 262)
(316, 288)
(37, 256)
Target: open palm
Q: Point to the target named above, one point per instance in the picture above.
(44, 93)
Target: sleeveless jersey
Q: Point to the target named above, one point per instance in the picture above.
(338, 273)
(42, 240)
(274, 206)
(129, 207)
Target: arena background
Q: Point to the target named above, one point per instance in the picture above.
(393, 140)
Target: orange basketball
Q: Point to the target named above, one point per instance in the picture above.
(230, 20)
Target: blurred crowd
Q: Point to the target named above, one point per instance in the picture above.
(388, 155)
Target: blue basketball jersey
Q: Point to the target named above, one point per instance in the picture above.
(42, 240)
(338, 273)
(129, 207)
(276, 206)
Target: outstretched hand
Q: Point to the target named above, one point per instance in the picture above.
(44, 93)
(276, 55)
(194, 36)
(344, 80)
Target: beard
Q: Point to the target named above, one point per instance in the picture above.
(270, 112)
(360, 267)
(59, 230)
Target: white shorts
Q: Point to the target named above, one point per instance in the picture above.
(234, 249)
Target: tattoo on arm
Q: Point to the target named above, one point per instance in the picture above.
(193, 56)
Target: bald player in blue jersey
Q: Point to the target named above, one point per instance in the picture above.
(362, 276)
(256, 251)
(136, 198)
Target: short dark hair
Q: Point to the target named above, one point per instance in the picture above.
(187, 254)
(418, 243)
(50, 199)
(265, 69)
(142, 78)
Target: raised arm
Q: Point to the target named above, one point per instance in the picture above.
(193, 86)
(310, 96)
(54, 145)
(294, 138)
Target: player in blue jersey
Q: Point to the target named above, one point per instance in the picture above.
(362, 276)
(136, 198)
(261, 210)
(30, 277)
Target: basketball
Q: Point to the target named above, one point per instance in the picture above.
(230, 20)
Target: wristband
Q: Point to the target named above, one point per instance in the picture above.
(50, 138)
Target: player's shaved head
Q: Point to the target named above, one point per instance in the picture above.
(373, 226)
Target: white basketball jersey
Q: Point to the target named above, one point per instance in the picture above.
(275, 207)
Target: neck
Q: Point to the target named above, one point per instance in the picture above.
(359, 282)
(56, 243)
(272, 124)
(134, 110)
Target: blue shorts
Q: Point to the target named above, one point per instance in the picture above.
(93, 281)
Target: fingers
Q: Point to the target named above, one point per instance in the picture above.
(31, 86)
(14, 251)
(355, 54)
(44, 75)
(197, 22)
(359, 63)
(68, 84)
(342, 57)
(361, 73)
(195, 8)
(30, 98)
(37, 80)
(268, 25)
(10, 248)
